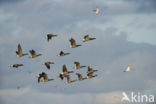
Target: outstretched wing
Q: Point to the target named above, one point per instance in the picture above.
(19, 49)
(64, 68)
(72, 41)
(32, 52)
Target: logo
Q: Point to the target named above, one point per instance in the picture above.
(137, 98)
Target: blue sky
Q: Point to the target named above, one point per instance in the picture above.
(125, 32)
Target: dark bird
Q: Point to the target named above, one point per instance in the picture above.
(34, 54)
(90, 75)
(80, 78)
(65, 72)
(16, 65)
(44, 76)
(63, 54)
(69, 80)
(90, 70)
(19, 53)
(47, 64)
(78, 66)
(87, 38)
(49, 36)
(73, 43)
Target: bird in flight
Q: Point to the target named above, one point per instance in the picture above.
(80, 78)
(44, 76)
(16, 65)
(19, 53)
(49, 36)
(73, 43)
(69, 79)
(78, 66)
(47, 64)
(96, 11)
(128, 69)
(34, 54)
(65, 72)
(62, 54)
(90, 75)
(90, 70)
(87, 38)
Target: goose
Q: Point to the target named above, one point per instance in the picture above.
(90, 70)
(49, 36)
(78, 66)
(44, 76)
(16, 65)
(80, 78)
(19, 53)
(33, 54)
(69, 80)
(63, 54)
(47, 64)
(128, 69)
(73, 43)
(65, 72)
(90, 75)
(87, 38)
(96, 11)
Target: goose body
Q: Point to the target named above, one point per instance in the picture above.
(19, 53)
(90, 70)
(78, 66)
(87, 38)
(90, 75)
(96, 11)
(80, 78)
(47, 64)
(65, 72)
(73, 43)
(69, 80)
(16, 65)
(34, 54)
(44, 76)
(63, 54)
(128, 69)
(49, 36)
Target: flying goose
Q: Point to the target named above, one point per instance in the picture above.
(90, 75)
(19, 53)
(34, 54)
(69, 80)
(128, 69)
(96, 11)
(47, 64)
(73, 43)
(16, 65)
(49, 36)
(80, 78)
(78, 66)
(44, 76)
(87, 38)
(63, 54)
(90, 70)
(65, 72)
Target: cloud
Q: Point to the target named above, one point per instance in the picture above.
(32, 96)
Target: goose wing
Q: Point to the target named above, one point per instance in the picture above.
(64, 68)
(72, 41)
(19, 49)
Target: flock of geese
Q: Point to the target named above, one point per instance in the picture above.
(43, 77)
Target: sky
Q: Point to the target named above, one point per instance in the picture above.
(125, 36)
